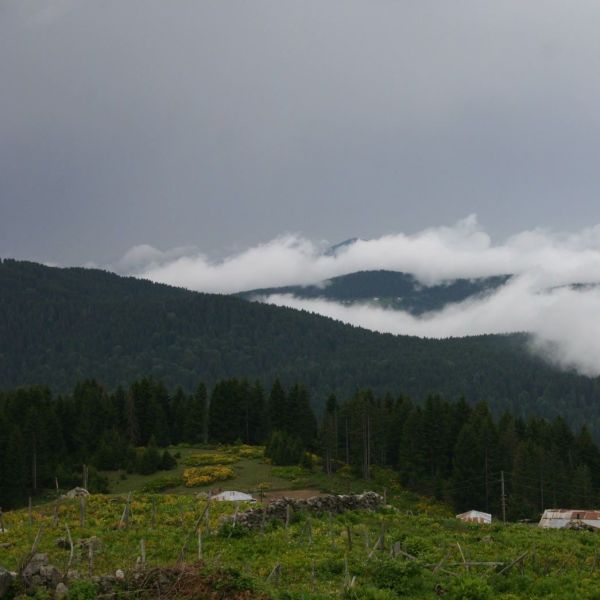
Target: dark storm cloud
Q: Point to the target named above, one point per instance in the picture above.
(220, 124)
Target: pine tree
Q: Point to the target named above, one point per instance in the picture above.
(15, 470)
(195, 421)
(277, 408)
(468, 480)
(300, 419)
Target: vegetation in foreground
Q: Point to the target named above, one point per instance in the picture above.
(424, 551)
(412, 548)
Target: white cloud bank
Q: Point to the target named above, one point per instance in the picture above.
(432, 255)
(565, 321)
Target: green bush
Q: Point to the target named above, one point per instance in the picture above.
(402, 577)
(161, 483)
(167, 461)
(228, 530)
(40, 593)
(470, 588)
(284, 448)
(82, 590)
(369, 593)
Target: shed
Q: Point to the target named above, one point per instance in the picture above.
(569, 518)
(232, 496)
(475, 516)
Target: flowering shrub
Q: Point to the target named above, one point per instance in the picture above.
(205, 458)
(245, 451)
(196, 476)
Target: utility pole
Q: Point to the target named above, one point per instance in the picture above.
(487, 491)
(347, 444)
(503, 497)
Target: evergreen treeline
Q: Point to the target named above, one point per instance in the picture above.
(453, 451)
(458, 453)
(59, 326)
(44, 438)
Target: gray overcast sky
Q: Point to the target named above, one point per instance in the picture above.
(223, 123)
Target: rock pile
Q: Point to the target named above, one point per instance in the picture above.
(6, 579)
(40, 573)
(329, 503)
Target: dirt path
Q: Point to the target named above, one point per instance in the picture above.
(296, 494)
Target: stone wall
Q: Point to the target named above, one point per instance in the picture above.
(278, 509)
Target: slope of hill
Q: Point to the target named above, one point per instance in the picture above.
(389, 288)
(384, 553)
(58, 326)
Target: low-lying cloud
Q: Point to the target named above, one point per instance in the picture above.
(539, 298)
(432, 255)
(564, 321)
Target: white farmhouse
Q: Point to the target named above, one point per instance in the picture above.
(475, 516)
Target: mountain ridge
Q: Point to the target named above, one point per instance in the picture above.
(392, 289)
(58, 326)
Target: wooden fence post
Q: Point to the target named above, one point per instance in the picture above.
(275, 574)
(346, 572)
(124, 522)
(71, 549)
(90, 558)
(143, 552)
(82, 511)
(199, 544)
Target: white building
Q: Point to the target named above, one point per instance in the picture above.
(232, 496)
(475, 516)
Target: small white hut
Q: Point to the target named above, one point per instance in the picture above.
(232, 496)
(475, 516)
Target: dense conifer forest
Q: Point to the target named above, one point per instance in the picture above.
(453, 452)
(60, 326)
(389, 288)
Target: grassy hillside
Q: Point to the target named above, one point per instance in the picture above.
(397, 290)
(412, 548)
(59, 326)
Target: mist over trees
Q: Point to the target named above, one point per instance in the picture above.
(59, 326)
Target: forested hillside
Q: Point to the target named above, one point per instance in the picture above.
(59, 326)
(452, 451)
(401, 291)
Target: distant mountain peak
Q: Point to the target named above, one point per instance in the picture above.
(333, 250)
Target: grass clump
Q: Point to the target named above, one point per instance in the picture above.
(161, 483)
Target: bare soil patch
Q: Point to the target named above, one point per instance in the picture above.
(295, 494)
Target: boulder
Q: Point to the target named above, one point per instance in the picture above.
(76, 492)
(6, 579)
(61, 591)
